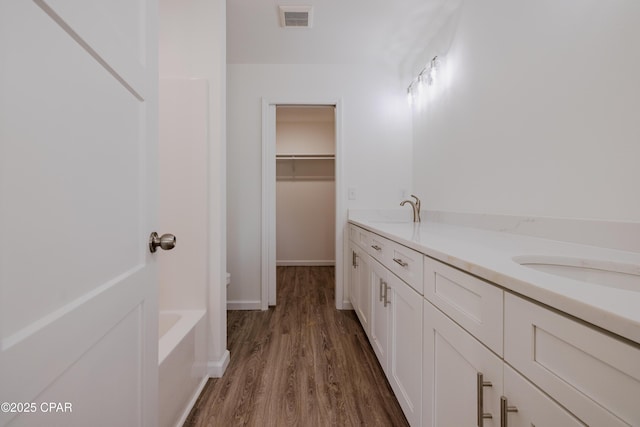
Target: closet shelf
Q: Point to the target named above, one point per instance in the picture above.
(305, 178)
(305, 156)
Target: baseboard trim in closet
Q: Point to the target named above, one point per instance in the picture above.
(244, 305)
(306, 263)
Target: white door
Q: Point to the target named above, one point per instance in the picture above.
(379, 318)
(405, 347)
(452, 360)
(78, 131)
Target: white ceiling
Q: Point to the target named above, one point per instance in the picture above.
(343, 32)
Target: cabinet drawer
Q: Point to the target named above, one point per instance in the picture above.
(353, 233)
(407, 264)
(474, 304)
(592, 374)
(378, 248)
(360, 236)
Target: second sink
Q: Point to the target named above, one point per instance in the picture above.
(604, 273)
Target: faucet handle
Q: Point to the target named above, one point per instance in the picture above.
(417, 201)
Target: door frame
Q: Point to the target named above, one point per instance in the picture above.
(268, 231)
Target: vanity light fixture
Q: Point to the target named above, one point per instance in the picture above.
(426, 78)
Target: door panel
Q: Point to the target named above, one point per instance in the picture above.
(364, 290)
(452, 360)
(116, 377)
(405, 362)
(379, 320)
(67, 173)
(78, 134)
(111, 32)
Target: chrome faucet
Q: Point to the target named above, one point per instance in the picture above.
(416, 207)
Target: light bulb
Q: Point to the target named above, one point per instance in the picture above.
(421, 84)
(433, 68)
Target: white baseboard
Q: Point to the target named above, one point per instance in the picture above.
(244, 305)
(308, 263)
(346, 305)
(192, 402)
(216, 368)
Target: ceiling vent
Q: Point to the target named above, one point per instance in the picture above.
(296, 16)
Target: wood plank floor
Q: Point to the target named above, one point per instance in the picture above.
(302, 363)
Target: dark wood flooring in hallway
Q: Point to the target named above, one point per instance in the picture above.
(302, 363)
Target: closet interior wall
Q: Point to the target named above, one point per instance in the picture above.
(305, 185)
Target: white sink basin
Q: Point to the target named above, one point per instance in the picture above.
(604, 273)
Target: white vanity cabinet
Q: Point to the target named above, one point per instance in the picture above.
(394, 321)
(396, 337)
(592, 374)
(551, 370)
(466, 382)
(462, 339)
(461, 351)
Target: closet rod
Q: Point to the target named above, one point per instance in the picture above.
(306, 156)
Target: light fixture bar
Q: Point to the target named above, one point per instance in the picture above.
(426, 78)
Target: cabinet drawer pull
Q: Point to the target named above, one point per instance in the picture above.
(481, 383)
(504, 411)
(381, 284)
(401, 262)
(376, 247)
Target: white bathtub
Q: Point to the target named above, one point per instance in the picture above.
(181, 363)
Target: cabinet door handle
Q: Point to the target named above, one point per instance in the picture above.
(401, 262)
(504, 411)
(381, 284)
(353, 258)
(376, 247)
(386, 290)
(480, 385)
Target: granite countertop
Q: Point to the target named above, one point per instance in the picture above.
(489, 255)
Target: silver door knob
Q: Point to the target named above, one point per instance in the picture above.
(166, 242)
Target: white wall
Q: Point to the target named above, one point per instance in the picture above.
(305, 188)
(183, 199)
(305, 130)
(193, 45)
(538, 113)
(376, 139)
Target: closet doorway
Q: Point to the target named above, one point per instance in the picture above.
(305, 185)
(302, 203)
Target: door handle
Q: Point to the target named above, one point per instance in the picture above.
(481, 383)
(386, 293)
(166, 242)
(504, 411)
